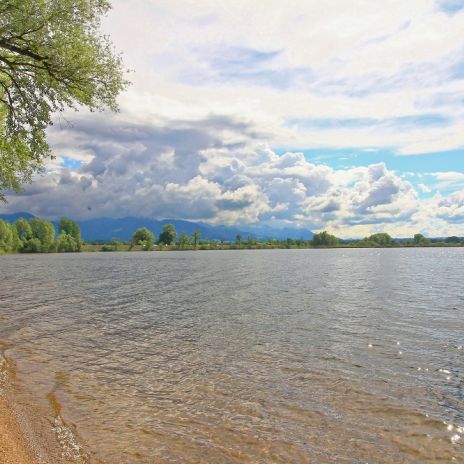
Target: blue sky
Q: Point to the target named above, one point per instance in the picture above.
(451, 6)
(346, 116)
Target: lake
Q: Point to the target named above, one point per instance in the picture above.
(265, 356)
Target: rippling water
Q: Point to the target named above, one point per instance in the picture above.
(298, 356)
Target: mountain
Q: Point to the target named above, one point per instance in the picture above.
(123, 228)
(13, 217)
(264, 232)
(106, 229)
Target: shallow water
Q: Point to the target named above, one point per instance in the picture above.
(279, 356)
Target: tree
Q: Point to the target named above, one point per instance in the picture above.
(381, 239)
(16, 242)
(251, 241)
(419, 239)
(196, 239)
(144, 238)
(43, 231)
(6, 237)
(66, 243)
(33, 245)
(238, 240)
(52, 56)
(324, 239)
(168, 234)
(289, 242)
(183, 241)
(24, 229)
(69, 227)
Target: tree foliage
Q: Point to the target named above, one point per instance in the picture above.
(184, 241)
(380, 238)
(196, 239)
(324, 239)
(24, 229)
(44, 231)
(52, 56)
(38, 236)
(66, 243)
(144, 238)
(453, 239)
(168, 235)
(6, 237)
(419, 239)
(70, 236)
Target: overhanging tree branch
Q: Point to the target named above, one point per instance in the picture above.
(52, 56)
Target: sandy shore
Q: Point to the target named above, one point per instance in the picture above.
(26, 436)
(13, 446)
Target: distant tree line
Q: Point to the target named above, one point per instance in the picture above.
(382, 239)
(38, 236)
(145, 239)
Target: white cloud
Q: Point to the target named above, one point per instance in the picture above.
(273, 63)
(451, 208)
(220, 171)
(424, 188)
(450, 180)
(450, 176)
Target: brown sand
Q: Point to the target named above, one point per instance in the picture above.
(13, 447)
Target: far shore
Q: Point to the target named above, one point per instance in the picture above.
(125, 247)
(39, 236)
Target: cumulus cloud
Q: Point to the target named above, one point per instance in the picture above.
(218, 171)
(451, 208)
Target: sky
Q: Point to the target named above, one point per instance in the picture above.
(346, 116)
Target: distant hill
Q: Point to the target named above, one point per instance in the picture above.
(13, 217)
(123, 228)
(264, 232)
(106, 229)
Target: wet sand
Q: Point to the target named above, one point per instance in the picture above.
(14, 448)
(26, 435)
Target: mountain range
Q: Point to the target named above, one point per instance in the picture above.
(106, 229)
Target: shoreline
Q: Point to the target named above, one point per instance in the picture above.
(29, 432)
(97, 249)
(15, 448)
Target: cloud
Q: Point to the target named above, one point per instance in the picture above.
(402, 122)
(450, 180)
(363, 76)
(449, 176)
(424, 188)
(225, 65)
(451, 208)
(218, 170)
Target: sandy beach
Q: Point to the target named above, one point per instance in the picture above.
(25, 433)
(13, 446)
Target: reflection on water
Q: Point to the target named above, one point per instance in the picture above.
(244, 357)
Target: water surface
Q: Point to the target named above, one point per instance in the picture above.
(279, 356)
